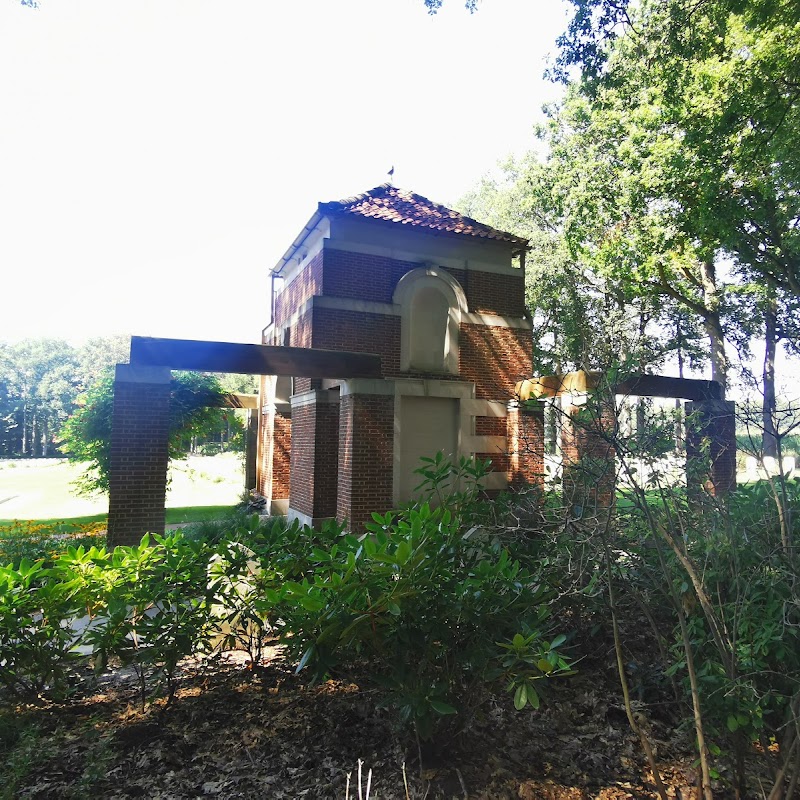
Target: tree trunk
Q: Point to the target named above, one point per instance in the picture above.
(769, 406)
(25, 429)
(713, 324)
(680, 444)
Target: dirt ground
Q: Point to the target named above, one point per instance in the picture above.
(236, 732)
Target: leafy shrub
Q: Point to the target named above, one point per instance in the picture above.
(154, 610)
(429, 610)
(36, 639)
(35, 540)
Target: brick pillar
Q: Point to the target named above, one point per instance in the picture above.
(274, 447)
(139, 453)
(711, 445)
(250, 450)
(314, 456)
(588, 478)
(525, 425)
(366, 451)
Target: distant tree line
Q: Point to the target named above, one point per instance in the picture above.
(46, 382)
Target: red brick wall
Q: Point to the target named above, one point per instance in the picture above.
(360, 333)
(369, 277)
(281, 456)
(366, 446)
(492, 293)
(526, 445)
(361, 276)
(314, 459)
(587, 456)
(301, 491)
(306, 284)
(139, 459)
(711, 445)
(301, 335)
(494, 359)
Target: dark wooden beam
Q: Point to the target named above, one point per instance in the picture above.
(253, 359)
(678, 388)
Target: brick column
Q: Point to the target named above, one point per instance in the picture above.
(274, 446)
(711, 445)
(587, 456)
(139, 453)
(366, 451)
(314, 456)
(250, 450)
(525, 426)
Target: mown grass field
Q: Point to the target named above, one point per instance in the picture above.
(41, 489)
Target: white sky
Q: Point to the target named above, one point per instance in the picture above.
(157, 157)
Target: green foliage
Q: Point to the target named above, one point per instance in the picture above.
(427, 607)
(40, 383)
(86, 436)
(150, 603)
(36, 641)
(44, 540)
(423, 604)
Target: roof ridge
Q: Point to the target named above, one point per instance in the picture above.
(389, 203)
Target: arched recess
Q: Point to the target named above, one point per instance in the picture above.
(432, 303)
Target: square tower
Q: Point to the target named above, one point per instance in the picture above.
(441, 298)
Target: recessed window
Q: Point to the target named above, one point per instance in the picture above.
(432, 303)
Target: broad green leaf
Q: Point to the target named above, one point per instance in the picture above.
(442, 708)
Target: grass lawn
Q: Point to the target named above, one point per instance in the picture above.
(40, 489)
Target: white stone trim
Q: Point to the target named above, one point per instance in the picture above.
(444, 283)
(352, 304)
(379, 386)
(424, 387)
(484, 408)
(495, 321)
(134, 373)
(469, 253)
(279, 507)
(314, 397)
(485, 444)
(293, 514)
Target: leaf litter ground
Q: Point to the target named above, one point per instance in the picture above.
(235, 732)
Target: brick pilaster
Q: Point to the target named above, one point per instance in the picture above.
(314, 456)
(711, 445)
(588, 461)
(139, 453)
(366, 453)
(525, 426)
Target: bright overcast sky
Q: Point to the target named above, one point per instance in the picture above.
(159, 156)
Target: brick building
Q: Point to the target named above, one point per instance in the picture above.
(441, 298)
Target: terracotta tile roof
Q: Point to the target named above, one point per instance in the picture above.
(390, 204)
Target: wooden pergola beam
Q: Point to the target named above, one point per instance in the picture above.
(641, 385)
(252, 359)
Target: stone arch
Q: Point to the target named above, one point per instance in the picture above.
(432, 303)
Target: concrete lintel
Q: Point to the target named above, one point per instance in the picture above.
(484, 444)
(314, 397)
(133, 373)
(432, 387)
(484, 408)
(253, 359)
(496, 321)
(367, 386)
